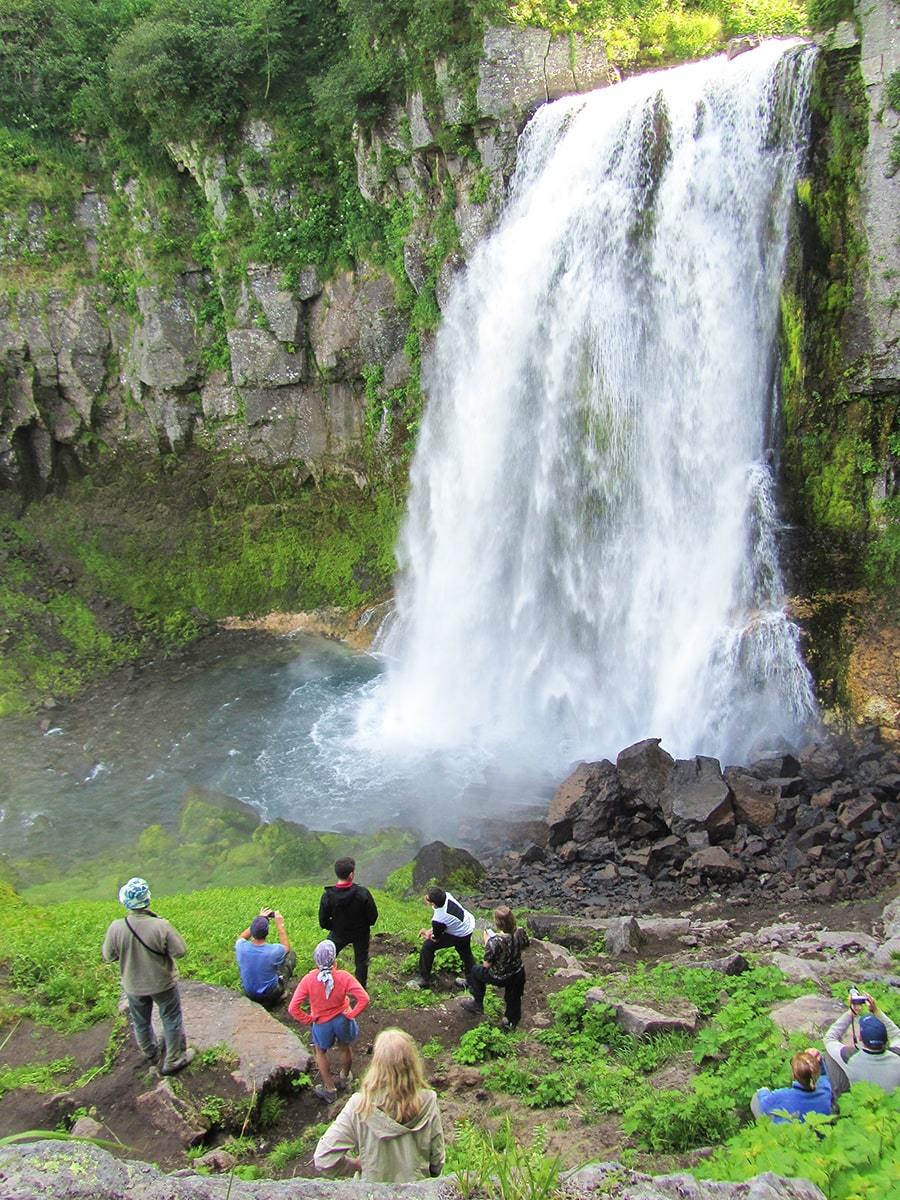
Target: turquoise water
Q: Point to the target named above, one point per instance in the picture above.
(269, 720)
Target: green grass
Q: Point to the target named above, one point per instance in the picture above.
(52, 953)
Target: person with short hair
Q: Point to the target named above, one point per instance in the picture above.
(451, 926)
(259, 962)
(145, 947)
(390, 1131)
(810, 1091)
(875, 1055)
(347, 912)
(328, 991)
(502, 967)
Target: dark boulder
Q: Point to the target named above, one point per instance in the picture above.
(697, 797)
(755, 801)
(448, 866)
(644, 771)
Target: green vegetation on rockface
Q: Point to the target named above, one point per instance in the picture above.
(143, 553)
(216, 841)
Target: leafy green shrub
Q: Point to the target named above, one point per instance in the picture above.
(497, 1167)
(483, 1042)
(671, 1121)
(851, 1157)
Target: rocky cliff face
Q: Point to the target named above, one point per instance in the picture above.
(169, 317)
(244, 361)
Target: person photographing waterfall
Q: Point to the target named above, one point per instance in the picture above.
(874, 1056)
(263, 967)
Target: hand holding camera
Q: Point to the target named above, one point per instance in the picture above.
(268, 913)
(859, 1000)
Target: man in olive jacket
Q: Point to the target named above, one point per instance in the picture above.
(348, 912)
(145, 946)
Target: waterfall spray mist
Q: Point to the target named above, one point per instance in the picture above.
(590, 553)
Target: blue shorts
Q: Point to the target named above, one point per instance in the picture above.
(338, 1029)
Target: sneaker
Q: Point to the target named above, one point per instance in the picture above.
(153, 1058)
(460, 983)
(507, 1026)
(343, 1082)
(322, 1093)
(179, 1064)
(471, 1007)
(419, 982)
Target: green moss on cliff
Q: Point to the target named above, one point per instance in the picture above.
(140, 554)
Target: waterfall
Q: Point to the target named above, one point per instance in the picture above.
(590, 552)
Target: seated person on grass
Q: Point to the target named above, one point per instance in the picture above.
(875, 1055)
(264, 967)
(328, 992)
(810, 1091)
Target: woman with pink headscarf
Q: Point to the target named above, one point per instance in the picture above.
(328, 992)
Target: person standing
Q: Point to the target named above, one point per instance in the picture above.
(145, 947)
(502, 967)
(390, 1131)
(258, 961)
(877, 1058)
(347, 913)
(451, 925)
(328, 992)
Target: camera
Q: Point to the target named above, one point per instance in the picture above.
(857, 998)
(268, 913)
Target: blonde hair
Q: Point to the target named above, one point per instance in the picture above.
(395, 1079)
(504, 919)
(806, 1068)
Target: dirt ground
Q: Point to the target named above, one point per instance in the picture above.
(112, 1095)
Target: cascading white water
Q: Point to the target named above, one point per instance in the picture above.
(590, 553)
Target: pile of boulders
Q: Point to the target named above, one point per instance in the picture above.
(824, 820)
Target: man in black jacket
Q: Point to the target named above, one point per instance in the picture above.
(348, 912)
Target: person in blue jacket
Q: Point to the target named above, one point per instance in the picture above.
(810, 1091)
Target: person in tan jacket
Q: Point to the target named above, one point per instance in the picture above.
(145, 946)
(390, 1130)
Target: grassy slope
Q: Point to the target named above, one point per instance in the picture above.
(581, 1067)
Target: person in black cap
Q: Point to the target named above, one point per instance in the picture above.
(264, 967)
(875, 1055)
(347, 912)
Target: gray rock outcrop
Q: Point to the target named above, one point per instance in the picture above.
(267, 1052)
(75, 1171)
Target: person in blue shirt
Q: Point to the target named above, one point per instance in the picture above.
(264, 967)
(810, 1091)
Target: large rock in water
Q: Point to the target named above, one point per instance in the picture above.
(76, 1171)
(697, 797)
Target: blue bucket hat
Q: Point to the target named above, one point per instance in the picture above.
(135, 893)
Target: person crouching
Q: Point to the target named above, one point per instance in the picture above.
(328, 991)
(502, 967)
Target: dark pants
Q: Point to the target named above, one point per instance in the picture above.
(480, 977)
(169, 1005)
(275, 993)
(360, 946)
(430, 947)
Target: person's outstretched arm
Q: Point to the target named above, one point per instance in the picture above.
(834, 1038)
